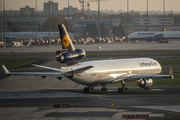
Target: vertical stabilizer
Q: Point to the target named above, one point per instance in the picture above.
(11, 27)
(65, 39)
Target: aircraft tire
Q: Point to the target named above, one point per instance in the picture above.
(122, 90)
(126, 90)
(119, 90)
(89, 89)
(104, 90)
(92, 89)
(85, 90)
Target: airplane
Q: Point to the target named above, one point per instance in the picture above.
(99, 72)
(15, 35)
(44, 35)
(154, 35)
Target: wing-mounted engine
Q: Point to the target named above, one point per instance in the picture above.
(70, 57)
(145, 83)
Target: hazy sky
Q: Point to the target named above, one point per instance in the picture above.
(105, 4)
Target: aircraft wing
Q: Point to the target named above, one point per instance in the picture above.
(43, 74)
(128, 76)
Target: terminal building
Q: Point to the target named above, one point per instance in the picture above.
(80, 22)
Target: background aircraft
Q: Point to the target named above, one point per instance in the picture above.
(44, 35)
(154, 35)
(16, 35)
(101, 72)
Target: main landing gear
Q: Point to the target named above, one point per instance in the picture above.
(89, 89)
(104, 88)
(123, 89)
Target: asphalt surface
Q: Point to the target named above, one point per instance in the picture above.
(31, 97)
(117, 46)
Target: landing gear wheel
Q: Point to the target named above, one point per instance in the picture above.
(119, 90)
(92, 89)
(104, 90)
(126, 90)
(122, 90)
(85, 90)
(88, 89)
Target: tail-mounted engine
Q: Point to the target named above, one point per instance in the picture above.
(145, 83)
(70, 57)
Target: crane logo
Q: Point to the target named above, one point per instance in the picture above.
(65, 41)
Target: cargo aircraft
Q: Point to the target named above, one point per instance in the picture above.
(100, 72)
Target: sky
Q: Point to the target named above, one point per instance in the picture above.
(137, 5)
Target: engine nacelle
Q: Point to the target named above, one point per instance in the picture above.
(73, 56)
(145, 83)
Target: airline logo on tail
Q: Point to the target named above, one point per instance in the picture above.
(65, 41)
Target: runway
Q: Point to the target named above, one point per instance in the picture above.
(157, 103)
(32, 97)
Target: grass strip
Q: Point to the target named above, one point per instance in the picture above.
(99, 53)
(16, 62)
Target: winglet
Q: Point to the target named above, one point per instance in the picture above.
(5, 69)
(171, 73)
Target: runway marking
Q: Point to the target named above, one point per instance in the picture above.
(128, 100)
(157, 89)
(33, 84)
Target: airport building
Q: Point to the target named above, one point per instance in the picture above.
(72, 10)
(153, 23)
(27, 11)
(53, 8)
(152, 20)
(78, 24)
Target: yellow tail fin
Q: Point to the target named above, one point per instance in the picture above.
(65, 39)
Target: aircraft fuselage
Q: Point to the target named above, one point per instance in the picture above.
(107, 70)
